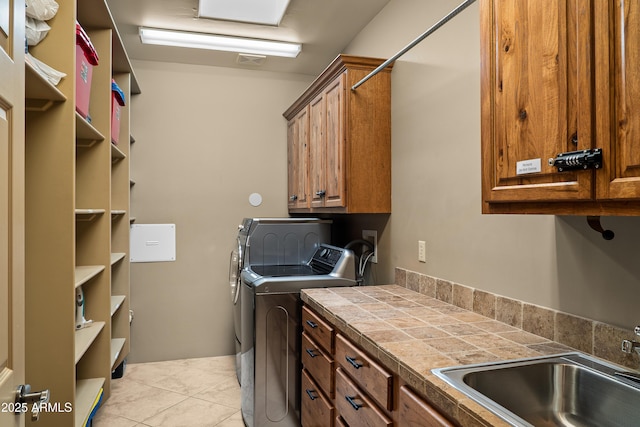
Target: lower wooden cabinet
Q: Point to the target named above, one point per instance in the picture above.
(344, 386)
(413, 411)
(317, 410)
(368, 374)
(318, 364)
(355, 406)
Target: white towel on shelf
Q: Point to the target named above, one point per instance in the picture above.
(54, 76)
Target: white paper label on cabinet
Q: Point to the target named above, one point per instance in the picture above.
(528, 166)
(153, 242)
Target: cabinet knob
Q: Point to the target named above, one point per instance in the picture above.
(321, 193)
(293, 198)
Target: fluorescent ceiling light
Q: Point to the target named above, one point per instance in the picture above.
(267, 12)
(215, 42)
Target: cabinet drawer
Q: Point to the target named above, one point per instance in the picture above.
(355, 407)
(318, 364)
(368, 374)
(319, 330)
(316, 410)
(415, 412)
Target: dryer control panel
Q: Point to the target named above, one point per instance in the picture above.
(328, 259)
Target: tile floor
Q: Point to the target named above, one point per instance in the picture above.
(190, 393)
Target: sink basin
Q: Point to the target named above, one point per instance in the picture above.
(570, 389)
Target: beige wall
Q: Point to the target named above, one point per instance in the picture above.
(206, 138)
(556, 262)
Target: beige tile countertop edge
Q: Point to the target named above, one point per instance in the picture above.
(377, 318)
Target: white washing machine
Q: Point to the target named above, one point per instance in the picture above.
(271, 241)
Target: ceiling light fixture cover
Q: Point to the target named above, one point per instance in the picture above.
(216, 42)
(267, 12)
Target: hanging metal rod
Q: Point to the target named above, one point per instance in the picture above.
(410, 46)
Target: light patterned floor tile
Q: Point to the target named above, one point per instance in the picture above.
(158, 394)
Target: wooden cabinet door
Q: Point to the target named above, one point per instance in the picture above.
(327, 174)
(618, 97)
(298, 156)
(12, 214)
(335, 143)
(316, 410)
(317, 165)
(536, 98)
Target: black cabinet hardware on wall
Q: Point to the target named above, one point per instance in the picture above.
(594, 223)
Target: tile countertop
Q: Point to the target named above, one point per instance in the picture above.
(411, 333)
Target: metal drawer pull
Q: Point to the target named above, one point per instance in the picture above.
(352, 401)
(353, 362)
(311, 395)
(313, 325)
(311, 351)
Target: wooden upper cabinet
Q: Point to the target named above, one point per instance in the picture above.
(317, 150)
(618, 97)
(553, 81)
(349, 139)
(298, 157)
(328, 147)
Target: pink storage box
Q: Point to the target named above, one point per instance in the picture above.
(117, 102)
(86, 59)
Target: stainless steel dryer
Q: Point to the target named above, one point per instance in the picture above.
(273, 241)
(271, 317)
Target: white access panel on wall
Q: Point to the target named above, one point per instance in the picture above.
(153, 242)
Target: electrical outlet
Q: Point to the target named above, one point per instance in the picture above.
(422, 251)
(371, 236)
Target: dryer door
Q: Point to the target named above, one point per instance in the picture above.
(235, 267)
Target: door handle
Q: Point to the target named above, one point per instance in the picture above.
(24, 397)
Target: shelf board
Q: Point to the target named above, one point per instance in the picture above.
(116, 303)
(117, 345)
(116, 153)
(88, 215)
(40, 94)
(87, 391)
(85, 337)
(86, 134)
(84, 273)
(117, 256)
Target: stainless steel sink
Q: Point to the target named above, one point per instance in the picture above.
(570, 389)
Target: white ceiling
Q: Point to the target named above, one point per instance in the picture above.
(324, 27)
